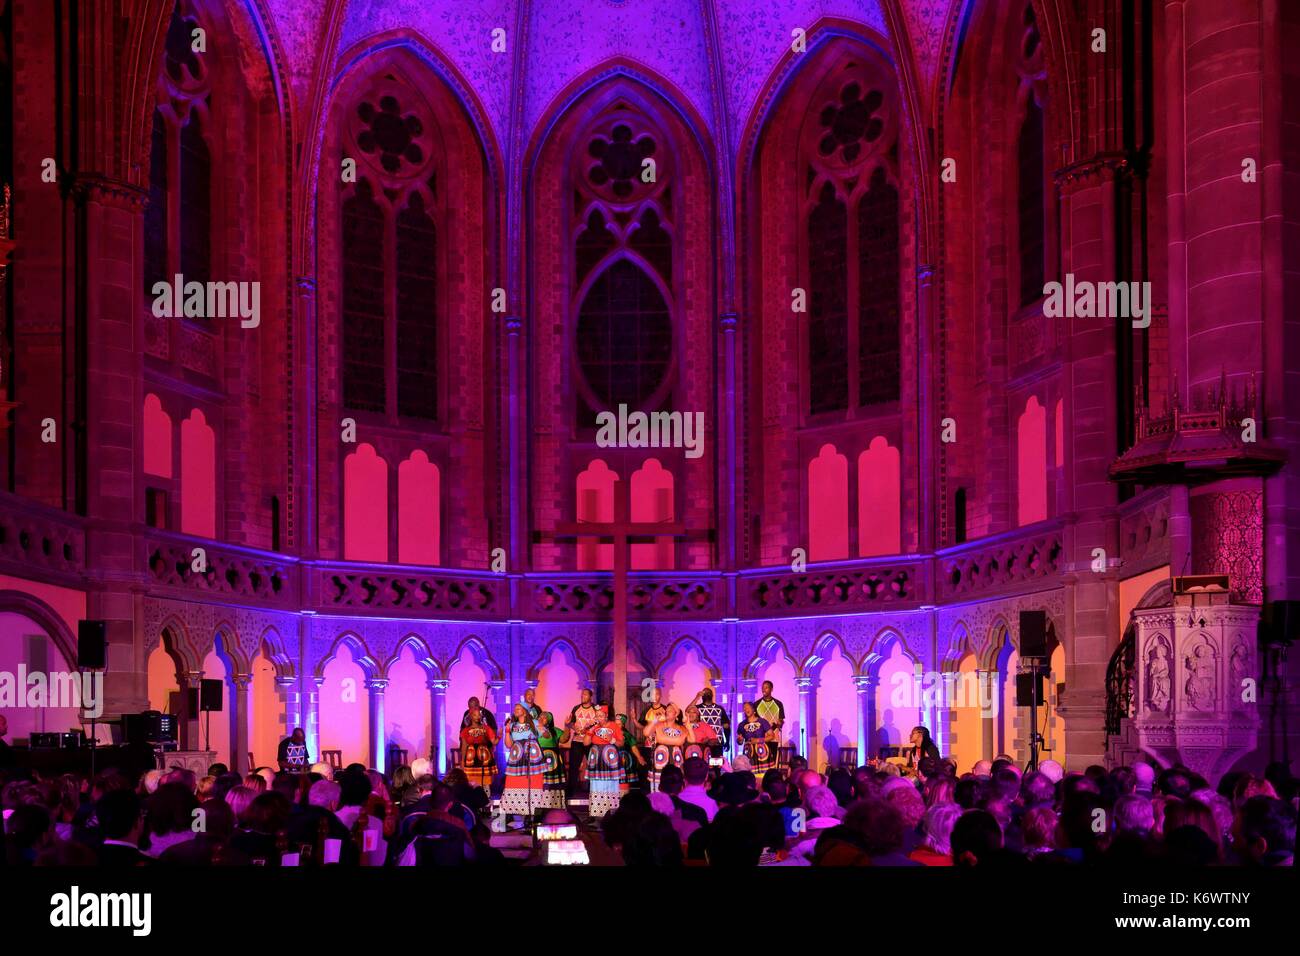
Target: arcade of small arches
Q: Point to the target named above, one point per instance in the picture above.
(377, 700)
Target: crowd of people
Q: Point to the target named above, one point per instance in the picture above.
(697, 814)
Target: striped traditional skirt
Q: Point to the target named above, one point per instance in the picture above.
(553, 776)
(525, 788)
(604, 778)
(479, 765)
(665, 755)
(761, 754)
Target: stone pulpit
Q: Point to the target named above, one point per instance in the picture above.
(1196, 677)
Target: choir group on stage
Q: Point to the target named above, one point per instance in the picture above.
(604, 751)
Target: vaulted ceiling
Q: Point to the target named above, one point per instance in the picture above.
(720, 56)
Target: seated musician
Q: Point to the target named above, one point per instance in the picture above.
(921, 747)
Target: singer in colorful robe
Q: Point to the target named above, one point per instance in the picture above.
(771, 710)
(604, 767)
(548, 737)
(631, 763)
(478, 744)
(667, 739)
(715, 716)
(754, 734)
(577, 729)
(703, 738)
(525, 768)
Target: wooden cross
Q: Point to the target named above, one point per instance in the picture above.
(621, 531)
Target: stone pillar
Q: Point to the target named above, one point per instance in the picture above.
(239, 684)
(311, 716)
(514, 465)
(291, 699)
(300, 532)
(726, 435)
(807, 714)
(988, 684)
(866, 688)
(1088, 222)
(378, 731)
(926, 435)
(442, 744)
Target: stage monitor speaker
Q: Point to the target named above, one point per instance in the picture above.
(1029, 689)
(1281, 622)
(1033, 634)
(92, 644)
(210, 695)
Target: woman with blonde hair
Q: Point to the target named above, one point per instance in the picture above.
(255, 782)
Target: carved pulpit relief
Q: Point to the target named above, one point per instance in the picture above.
(1201, 688)
(1239, 671)
(1158, 678)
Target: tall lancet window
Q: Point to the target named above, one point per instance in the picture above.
(850, 259)
(623, 259)
(178, 217)
(1030, 162)
(389, 216)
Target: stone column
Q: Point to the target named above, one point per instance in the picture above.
(311, 716)
(378, 732)
(866, 689)
(926, 435)
(807, 714)
(514, 465)
(239, 684)
(287, 690)
(988, 683)
(438, 702)
(726, 435)
(300, 532)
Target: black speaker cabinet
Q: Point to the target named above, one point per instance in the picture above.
(1033, 634)
(210, 695)
(1029, 690)
(92, 644)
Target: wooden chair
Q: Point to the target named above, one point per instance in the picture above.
(783, 756)
(453, 756)
(396, 758)
(848, 758)
(333, 757)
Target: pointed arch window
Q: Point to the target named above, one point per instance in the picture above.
(1031, 212)
(623, 258)
(389, 249)
(178, 216)
(851, 245)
